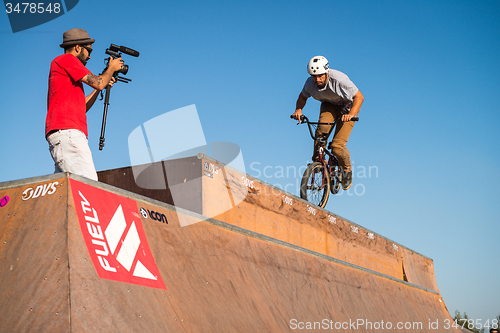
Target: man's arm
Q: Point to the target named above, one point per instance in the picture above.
(91, 98)
(100, 82)
(357, 101)
(301, 102)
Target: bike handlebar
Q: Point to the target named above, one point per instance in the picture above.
(304, 119)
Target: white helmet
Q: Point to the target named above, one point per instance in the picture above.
(318, 65)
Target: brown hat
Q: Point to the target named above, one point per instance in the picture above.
(76, 36)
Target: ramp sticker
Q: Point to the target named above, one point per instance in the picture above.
(4, 201)
(114, 236)
(40, 190)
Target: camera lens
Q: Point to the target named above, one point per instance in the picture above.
(124, 69)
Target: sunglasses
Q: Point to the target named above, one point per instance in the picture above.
(89, 50)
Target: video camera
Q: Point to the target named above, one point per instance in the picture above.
(114, 51)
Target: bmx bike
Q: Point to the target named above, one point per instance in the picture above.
(323, 175)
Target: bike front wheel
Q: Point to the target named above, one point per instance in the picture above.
(315, 185)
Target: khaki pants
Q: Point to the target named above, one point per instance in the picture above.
(328, 114)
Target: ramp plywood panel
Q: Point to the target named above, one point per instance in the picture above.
(419, 270)
(34, 288)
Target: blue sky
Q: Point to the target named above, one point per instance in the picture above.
(428, 70)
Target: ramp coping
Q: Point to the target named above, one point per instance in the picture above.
(26, 181)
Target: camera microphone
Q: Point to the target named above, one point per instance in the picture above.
(124, 49)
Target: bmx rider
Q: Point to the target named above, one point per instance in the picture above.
(339, 98)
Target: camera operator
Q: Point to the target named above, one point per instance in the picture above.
(66, 123)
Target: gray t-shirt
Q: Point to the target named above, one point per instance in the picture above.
(339, 90)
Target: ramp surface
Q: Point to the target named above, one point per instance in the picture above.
(82, 256)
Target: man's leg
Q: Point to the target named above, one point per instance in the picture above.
(71, 153)
(339, 149)
(326, 115)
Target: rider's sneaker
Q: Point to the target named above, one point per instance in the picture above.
(347, 180)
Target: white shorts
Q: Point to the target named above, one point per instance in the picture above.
(71, 153)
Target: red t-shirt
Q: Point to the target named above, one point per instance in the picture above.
(66, 108)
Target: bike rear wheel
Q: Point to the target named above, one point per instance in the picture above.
(315, 185)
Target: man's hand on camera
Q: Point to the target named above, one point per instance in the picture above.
(115, 64)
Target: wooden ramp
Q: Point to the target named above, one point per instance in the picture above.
(83, 256)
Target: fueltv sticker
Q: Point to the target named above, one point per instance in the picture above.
(114, 236)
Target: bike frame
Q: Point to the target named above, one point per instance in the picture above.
(331, 173)
(332, 160)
